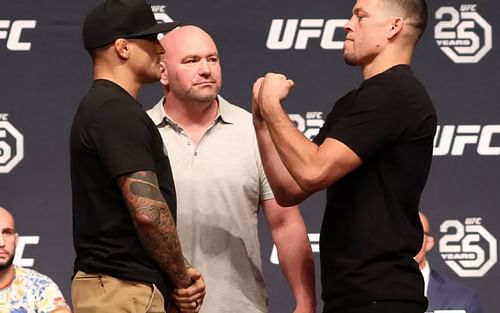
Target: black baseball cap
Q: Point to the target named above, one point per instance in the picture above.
(115, 19)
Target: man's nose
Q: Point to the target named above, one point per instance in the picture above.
(204, 67)
(347, 26)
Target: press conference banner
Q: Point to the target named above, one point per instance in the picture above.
(45, 72)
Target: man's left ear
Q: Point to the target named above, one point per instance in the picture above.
(396, 27)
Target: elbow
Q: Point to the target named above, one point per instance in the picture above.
(147, 219)
(286, 197)
(286, 201)
(311, 182)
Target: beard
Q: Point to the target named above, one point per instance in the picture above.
(149, 78)
(7, 264)
(204, 97)
(197, 96)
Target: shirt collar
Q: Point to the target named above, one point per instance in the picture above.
(225, 114)
(157, 113)
(426, 273)
(161, 119)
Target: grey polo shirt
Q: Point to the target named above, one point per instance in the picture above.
(220, 183)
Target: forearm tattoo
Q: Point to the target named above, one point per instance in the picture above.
(154, 223)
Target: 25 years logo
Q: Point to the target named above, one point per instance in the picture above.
(11, 145)
(468, 249)
(463, 35)
(310, 125)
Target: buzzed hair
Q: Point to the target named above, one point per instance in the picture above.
(414, 10)
(4, 210)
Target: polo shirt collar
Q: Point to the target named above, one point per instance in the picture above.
(161, 119)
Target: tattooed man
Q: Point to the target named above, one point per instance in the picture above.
(128, 256)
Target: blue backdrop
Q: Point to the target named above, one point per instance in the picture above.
(45, 71)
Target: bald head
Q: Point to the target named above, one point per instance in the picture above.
(6, 219)
(8, 241)
(186, 40)
(192, 72)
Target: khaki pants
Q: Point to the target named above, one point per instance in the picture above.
(92, 293)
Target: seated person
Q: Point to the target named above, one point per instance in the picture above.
(441, 292)
(23, 290)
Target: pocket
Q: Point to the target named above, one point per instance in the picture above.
(85, 288)
(91, 282)
(83, 275)
(157, 302)
(139, 295)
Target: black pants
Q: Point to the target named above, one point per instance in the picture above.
(382, 307)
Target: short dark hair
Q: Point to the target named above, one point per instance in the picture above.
(96, 51)
(415, 10)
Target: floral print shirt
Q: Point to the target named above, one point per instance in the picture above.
(31, 292)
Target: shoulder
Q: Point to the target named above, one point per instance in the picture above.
(397, 78)
(103, 91)
(446, 292)
(120, 104)
(234, 114)
(121, 111)
(156, 113)
(233, 109)
(33, 277)
(238, 125)
(395, 91)
(451, 286)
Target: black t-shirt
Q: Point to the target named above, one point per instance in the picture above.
(111, 136)
(371, 229)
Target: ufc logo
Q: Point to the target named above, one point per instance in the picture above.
(12, 32)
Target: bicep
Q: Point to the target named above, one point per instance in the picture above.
(142, 195)
(335, 160)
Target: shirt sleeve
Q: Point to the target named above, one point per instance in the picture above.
(122, 137)
(266, 192)
(49, 297)
(377, 117)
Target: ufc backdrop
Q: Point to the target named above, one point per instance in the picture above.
(45, 72)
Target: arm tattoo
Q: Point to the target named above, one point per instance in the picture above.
(141, 189)
(154, 223)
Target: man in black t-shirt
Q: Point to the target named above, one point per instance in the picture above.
(373, 155)
(128, 255)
